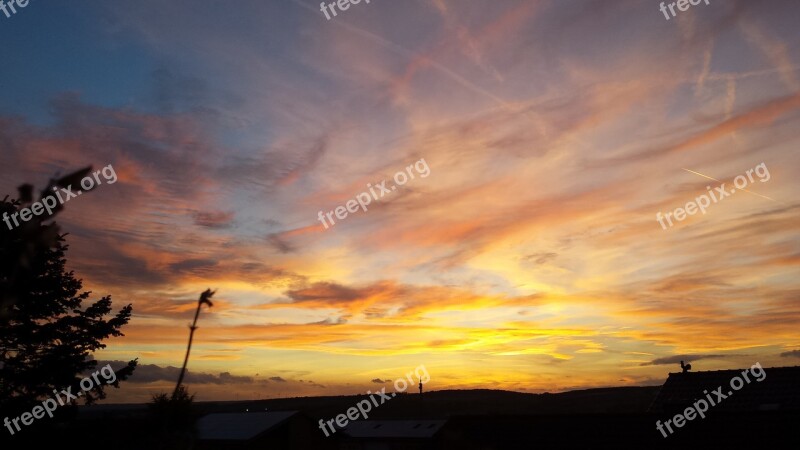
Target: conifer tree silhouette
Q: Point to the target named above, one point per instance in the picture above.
(47, 336)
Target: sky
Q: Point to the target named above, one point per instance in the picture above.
(541, 141)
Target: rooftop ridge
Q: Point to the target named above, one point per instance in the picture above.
(733, 370)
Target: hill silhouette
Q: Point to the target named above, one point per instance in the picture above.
(439, 404)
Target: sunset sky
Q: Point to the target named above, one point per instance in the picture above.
(529, 259)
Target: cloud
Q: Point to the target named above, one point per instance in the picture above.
(678, 358)
(760, 115)
(277, 166)
(791, 354)
(278, 379)
(214, 220)
(194, 266)
(540, 258)
(521, 249)
(149, 373)
(379, 381)
(331, 321)
(324, 292)
(279, 244)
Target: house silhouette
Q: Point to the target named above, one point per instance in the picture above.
(778, 391)
(257, 430)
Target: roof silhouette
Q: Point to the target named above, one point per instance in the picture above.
(779, 390)
(239, 426)
(394, 428)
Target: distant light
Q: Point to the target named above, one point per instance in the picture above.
(247, 410)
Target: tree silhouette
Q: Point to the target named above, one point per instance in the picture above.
(173, 412)
(46, 336)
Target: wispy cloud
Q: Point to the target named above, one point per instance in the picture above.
(531, 260)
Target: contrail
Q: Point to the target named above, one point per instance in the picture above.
(409, 54)
(741, 189)
(449, 73)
